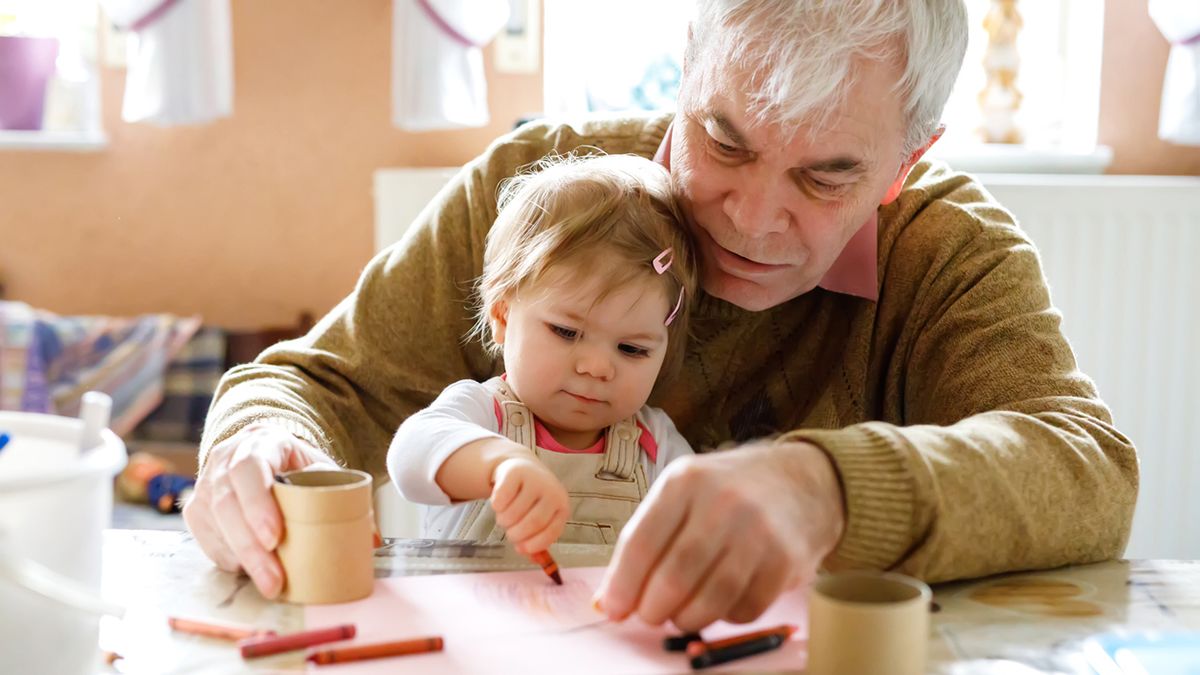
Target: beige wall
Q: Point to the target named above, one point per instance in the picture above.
(1135, 57)
(248, 221)
(259, 217)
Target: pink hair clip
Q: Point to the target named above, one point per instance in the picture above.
(660, 267)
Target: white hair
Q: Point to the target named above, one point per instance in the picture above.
(802, 53)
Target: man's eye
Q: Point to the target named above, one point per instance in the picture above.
(633, 350)
(724, 148)
(563, 332)
(828, 188)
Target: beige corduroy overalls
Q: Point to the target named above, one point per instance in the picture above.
(605, 489)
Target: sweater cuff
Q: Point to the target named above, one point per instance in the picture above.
(233, 423)
(878, 492)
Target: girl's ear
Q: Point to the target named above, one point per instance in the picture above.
(498, 321)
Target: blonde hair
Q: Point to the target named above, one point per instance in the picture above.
(569, 210)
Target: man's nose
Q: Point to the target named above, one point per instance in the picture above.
(756, 209)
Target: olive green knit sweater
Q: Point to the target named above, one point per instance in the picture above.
(966, 439)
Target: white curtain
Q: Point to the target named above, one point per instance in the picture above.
(437, 61)
(1179, 116)
(180, 59)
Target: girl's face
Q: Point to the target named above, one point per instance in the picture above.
(580, 364)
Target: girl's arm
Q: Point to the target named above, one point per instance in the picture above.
(452, 451)
(462, 415)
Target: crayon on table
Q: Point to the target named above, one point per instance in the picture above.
(679, 643)
(783, 630)
(4, 438)
(378, 650)
(705, 658)
(221, 631)
(548, 565)
(277, 644)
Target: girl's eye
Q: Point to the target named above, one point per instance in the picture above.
(563, 332)
(633, 350)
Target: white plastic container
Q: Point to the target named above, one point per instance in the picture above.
(55, 501)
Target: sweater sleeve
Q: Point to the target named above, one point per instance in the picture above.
(391, 346)
(462, 414)
(1002, 457)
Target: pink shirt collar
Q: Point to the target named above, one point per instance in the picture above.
(855, 272)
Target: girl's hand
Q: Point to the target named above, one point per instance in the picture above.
(530, 503)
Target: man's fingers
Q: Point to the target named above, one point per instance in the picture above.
(649, 532)
(719, 589)
(766, 584)
(262, 566)
(198, 517)
(683, 571)
(251, 481)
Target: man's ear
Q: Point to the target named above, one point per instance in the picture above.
(898, 185)
(498, 321)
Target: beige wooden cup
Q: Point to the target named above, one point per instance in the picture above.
(328, 536)
(866, 623)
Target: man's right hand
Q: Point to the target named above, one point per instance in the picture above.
(233, 515)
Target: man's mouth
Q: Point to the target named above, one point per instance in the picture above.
(737, 263)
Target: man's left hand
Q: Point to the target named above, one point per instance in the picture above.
(721, 536)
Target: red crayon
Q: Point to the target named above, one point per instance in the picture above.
(548, 565)
(221, 631)
(276, 644)
(378, 650)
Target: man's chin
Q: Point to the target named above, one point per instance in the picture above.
(745, 294)
(748, 295)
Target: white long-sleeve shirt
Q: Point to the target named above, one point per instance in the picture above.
(466, 412)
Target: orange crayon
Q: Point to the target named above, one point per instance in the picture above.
(221, 631)
(696, 648)
(378, 650)
(548, 565)
(277, 644)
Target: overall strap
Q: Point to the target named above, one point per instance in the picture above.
(516, 421)
(622, 452)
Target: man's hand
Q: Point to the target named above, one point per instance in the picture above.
(233, 515)
(721, 536)
(530, 502)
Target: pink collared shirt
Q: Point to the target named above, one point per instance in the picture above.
(855, 272)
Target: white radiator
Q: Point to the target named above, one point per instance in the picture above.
(1119, 253)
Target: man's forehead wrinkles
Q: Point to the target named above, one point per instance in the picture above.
(848, 158)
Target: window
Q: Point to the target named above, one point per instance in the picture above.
(629, 58)
(48, 65)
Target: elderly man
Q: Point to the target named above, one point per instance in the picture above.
(875, 337)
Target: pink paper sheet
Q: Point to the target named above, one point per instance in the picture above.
(504, 621)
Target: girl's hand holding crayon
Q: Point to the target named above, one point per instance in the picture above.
(531, 504)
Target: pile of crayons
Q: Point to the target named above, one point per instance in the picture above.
(254, 643)
(707, 654)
